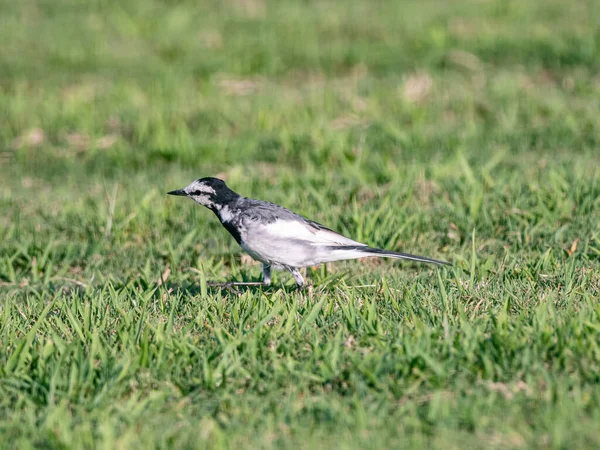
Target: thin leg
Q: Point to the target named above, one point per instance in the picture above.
(297, 277)
(266, 269)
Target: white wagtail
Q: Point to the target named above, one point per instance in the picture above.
(276, 236)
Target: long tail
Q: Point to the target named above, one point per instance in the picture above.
(360, 250)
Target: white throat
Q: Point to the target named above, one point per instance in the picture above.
(225, 214)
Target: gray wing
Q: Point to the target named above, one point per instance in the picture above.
(278, 222)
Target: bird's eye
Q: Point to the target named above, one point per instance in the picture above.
(197, 193)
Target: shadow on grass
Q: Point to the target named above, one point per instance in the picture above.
(316, 286)
(214, 288)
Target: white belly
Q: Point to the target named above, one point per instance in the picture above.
(294, 244)
(296, 254)
(280, 254)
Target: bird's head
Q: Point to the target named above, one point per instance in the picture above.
(209, 192)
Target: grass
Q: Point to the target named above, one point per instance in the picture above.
(464, 130)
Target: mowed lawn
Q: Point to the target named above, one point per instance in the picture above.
(466, 130)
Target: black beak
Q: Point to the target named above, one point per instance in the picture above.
(179, 192)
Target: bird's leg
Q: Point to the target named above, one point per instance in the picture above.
(266, 272)
(297, 277)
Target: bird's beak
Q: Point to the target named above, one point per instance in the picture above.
(179, 192)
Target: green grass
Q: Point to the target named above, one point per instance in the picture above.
(464, 130)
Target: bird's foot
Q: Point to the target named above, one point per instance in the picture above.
(300, 283)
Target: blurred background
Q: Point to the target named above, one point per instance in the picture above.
(236, 86)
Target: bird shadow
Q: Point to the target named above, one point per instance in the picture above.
(214, 288)
(318, 282)
(313, 287)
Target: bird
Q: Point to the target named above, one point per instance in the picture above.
(277, 237)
